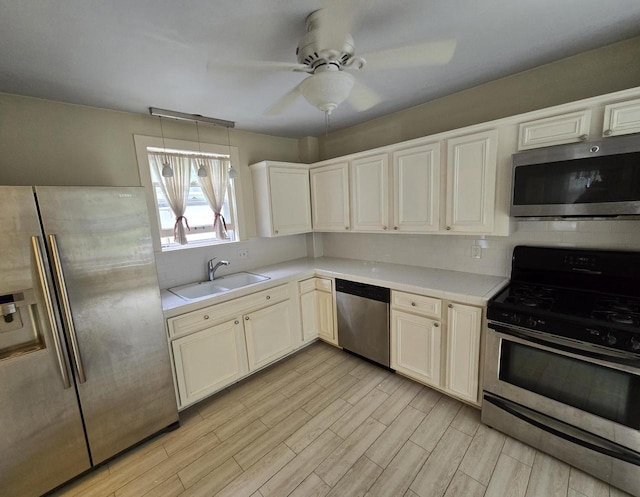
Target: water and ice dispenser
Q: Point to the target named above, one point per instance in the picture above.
(20, 332)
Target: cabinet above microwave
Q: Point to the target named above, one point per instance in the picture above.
(590, 179)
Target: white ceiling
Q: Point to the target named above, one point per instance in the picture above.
(133, 54)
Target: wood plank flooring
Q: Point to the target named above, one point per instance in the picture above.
(323, 423)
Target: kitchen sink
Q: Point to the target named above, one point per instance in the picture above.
(201, 289)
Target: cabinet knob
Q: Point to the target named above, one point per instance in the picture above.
(395, 227)
(413, 304)
(346, 227)
(607, 132)
(448, 228)
(583, 138)
(384, 227)
(206, 316)
(436, 325)
(236, 322)
(276, 232)
(246, 318)
(450, 306)
(268, 297)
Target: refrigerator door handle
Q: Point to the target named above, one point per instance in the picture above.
(66, 309)
(46, 290)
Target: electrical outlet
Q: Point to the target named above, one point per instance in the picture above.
(476, 251)
(243, 254)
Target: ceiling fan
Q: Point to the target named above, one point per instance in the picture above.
(327, 53)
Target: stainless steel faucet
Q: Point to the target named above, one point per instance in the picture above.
(212, 268)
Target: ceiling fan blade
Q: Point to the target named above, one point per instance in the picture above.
(269, 65)
(430, 53)
(362, 97)
(284, 102)
(334, 23)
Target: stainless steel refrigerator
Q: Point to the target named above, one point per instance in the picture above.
(84, 362)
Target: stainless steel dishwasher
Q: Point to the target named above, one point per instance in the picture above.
(363, 320)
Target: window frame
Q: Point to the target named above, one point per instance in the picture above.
(142, 143)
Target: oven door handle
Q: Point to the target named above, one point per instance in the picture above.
(583, 349)
(565, 431)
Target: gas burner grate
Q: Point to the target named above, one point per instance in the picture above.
(620, 310)
(531, 296)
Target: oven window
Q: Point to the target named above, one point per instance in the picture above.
(602, 391)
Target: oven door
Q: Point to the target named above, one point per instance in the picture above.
(566, 383)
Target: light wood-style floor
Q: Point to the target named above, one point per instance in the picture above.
(324, 423)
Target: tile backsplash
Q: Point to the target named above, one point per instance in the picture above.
(178, 267)
(455, 253)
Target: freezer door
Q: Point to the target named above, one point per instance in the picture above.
(100, 245)
(41, 437)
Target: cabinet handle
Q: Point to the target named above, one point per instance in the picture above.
(384, 227)
(583, 137)
(607, 132)
(268, 297)
(276, 232)
(448, 228)
(346, 227)
(413, 304)
(450, 306)
(395, 227)
(206, 316)
(436, 325)
(246, 318)
(236, 322)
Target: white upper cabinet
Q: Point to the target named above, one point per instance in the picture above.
(416, 188)
(471, 182)
(622, 118)
(281, 198)
(556, 130)
(330, 197)
(369, 193)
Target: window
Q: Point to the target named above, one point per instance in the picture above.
(201, 193)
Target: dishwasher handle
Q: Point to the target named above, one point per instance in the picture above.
(372, 292)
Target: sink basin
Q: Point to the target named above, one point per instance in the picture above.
(201, 289)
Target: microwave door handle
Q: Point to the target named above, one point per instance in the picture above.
(66, 309)
(48, 303)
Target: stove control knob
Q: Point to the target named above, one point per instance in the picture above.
(634, 344)
(515, 319)
(610, 339)
(532, 322)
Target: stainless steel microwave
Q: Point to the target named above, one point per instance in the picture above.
(589, 179)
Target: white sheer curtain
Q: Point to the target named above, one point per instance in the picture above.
(175, 189)
(214, 188)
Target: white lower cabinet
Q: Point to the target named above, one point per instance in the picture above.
(316, 305)
(268, 334)
(444, 354)
(415, 346)
(208, 360)
(463, 351)
(215, 346)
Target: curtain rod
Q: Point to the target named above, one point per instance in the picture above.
(154, 111)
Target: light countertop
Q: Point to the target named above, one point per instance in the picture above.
(469, 288)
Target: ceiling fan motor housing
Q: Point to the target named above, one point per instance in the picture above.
(311, 53)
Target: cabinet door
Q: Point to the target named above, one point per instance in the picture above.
(330, 197)
(309, 312)
(416, 190)
(268, 333)
(471, 182)
(556, 130)
(369, 193)
(290, 201)
(463, 351)
(209, 360)
(622, 118)
(415, 347)
(324, 302)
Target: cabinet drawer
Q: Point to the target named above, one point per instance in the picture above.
(418, 304)
(311, 284)
(208, 316)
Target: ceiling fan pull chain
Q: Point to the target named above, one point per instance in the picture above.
(327, 122)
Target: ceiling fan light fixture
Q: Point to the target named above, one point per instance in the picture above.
(327, 88)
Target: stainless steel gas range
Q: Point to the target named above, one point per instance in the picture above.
(562, 360)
